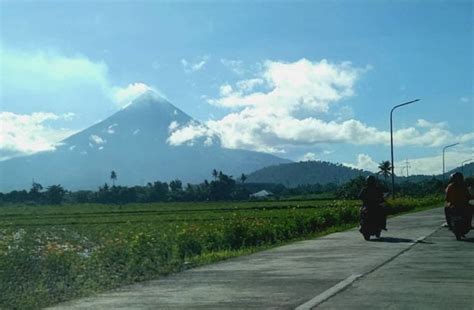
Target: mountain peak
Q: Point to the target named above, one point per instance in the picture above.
(148, 98)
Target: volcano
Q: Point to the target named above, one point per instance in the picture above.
(133, 143)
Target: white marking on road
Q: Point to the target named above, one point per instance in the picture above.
(419, 239)
(329, 293)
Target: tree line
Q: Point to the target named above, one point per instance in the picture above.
(222, 187)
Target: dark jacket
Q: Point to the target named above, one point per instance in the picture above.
(371, 196)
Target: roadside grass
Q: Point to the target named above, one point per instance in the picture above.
(50, 254)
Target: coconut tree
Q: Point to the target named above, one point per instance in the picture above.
(215, 174)
(113, 177)
(385, 169)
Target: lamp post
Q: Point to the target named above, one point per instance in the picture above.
(462, 164)
(444, 149)
(391, 141)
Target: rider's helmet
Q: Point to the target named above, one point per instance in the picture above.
(370, 180)
(456, 178)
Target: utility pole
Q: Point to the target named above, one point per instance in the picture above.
(407, 165)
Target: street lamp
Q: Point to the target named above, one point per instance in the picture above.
(444, 149)
(391, 141)
(462, 164)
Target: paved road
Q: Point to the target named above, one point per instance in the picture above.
(417, 264)
(435, 274)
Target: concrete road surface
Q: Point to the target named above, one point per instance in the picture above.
(417, 264)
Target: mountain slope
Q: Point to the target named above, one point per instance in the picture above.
(313, 172)
(133, 143)
(307, 172)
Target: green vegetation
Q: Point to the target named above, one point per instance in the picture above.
(50, 254)
(222, 188)
(305, 172)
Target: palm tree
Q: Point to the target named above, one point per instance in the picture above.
(385, 169)
(113, 177)
(215, 174)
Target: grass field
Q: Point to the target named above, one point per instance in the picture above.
(49, 254)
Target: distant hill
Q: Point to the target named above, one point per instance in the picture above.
(313, 172)
(307, 172)
(132, 142)
(467, 170)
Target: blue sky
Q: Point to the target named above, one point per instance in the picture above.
(304, 80)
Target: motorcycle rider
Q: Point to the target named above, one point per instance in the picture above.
(457, 199)
(372, 198)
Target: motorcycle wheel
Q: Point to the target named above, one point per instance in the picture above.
(458, 237)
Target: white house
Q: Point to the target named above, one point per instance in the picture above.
(261, 194)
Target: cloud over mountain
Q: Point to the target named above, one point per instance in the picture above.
(54, 79)
(289, 104)
(55, 86)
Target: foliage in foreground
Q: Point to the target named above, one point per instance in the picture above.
(45, 262)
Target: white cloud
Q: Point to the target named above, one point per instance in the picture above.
(426, 124)
(267, 117)
(124, 96)
(308, 157)
(111, 129)
(283, 104)
(225, 90)
(291, 86)
(198, 66)
(208, 141)
(173, 126)
(188, 134)
(429, 165)
(96, 139)
(364, 162)
(24, 134)
(249, 85)
(429, 134)
(434, 164)
(68, 116)
(190, 67)
(259, 129)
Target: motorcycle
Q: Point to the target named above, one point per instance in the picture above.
(372, 221)
(460, 222)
